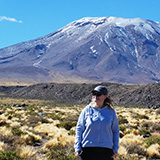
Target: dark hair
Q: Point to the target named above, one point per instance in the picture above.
(108, 102)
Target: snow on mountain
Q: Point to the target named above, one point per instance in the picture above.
(105, 49)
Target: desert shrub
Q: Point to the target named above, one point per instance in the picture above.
(133, 148)
(122, 128)
(10, 117)
(9, 155)
(129, 157)
(44, 120)
(153, 151)
(156, 127)
(11, 142)
(7, 138)
(31, 140)
(17, 132)
(67, 125)
(122, 120)
(144, 132)
(152, 140)
(139, 116)
(7, 125)
(71, 117)
(151, 126)
(128, 131)
(55, 116)
(59, 152)
(147, 124)
(71, 132)
(2, 123)
(31, 111)
(158, 111)
(33, 120)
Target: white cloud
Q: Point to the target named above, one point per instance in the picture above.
(2, 18)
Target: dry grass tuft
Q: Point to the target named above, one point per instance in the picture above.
(2, 146)
(6, 131)
(51, 143)
(154, 151)
(26, 151)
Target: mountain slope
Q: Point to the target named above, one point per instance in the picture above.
(106, 49)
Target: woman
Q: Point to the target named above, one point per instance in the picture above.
(97, 130)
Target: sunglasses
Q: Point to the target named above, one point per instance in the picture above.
(98, 94)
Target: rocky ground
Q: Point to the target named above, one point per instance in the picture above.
(128, 95)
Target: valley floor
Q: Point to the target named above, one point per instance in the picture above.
(34, 130)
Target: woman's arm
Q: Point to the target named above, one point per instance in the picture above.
(115, 130)
(79, 131)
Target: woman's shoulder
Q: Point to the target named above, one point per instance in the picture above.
(86, 108)
(111, 110)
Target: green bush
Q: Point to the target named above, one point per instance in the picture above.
(133, 148)
(152, 140)
(32, 140)
(67, 125)
(151, 126)
(17, 132)
(122, 120)
(55, 116)
(7, 139)
(144, 132)
(147, 125)
(156, 127)
(122, 128)
(71, 132)
(10, 117)
(139, 116)
(9, 155)
(59, 152)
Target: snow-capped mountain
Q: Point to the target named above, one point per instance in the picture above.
(106, 49)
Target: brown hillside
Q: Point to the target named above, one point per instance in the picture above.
(135, 95)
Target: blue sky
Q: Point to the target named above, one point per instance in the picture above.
(23, 20)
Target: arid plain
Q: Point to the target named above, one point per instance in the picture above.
(35, 129)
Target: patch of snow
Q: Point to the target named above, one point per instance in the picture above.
(149, 36)
(68, 28)
(37, 64)
(123, 22)
(93, 50)
(86, 33)
(128, 65)
(94, 20)
(71, 63)
(101, 39)
(110, 45)
(140, 24)
(49, 44)
(136, 51)
(95, 53)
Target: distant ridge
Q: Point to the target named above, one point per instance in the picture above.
(128, 95)
(89, 50)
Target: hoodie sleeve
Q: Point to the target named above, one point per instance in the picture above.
(115, 130)
(79, 131)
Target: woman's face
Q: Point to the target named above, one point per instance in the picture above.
(98, 98)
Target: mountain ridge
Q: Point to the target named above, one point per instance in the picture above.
(105, 49)
(126, 95)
